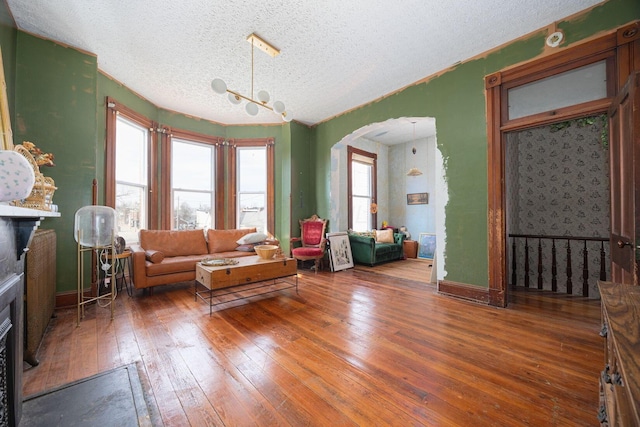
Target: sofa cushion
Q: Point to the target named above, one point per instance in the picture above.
(384, 236)
(307, 251)
(175, 264)
(174, 242)
(384, 248)
(154, 256)
(225, 240)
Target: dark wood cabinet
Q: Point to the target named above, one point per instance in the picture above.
(410, 248)
(620, 378)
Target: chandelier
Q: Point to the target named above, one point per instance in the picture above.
(220, 87)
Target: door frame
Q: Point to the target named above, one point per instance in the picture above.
(621, 50)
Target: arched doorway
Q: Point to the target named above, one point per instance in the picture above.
(393, 141)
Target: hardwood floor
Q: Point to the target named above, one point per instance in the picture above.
(415, 269)
(352, 348)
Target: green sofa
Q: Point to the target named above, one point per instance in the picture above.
(365, 250)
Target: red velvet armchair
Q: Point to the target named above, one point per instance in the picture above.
(312, 241)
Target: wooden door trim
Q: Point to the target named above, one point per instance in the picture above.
(618, 66)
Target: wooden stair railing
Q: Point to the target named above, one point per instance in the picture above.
(554, 264)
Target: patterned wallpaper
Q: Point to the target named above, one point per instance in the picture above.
(558, 184)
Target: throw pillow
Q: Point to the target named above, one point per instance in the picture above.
(384, 236)
(252, 238)
(155, 257)
(246, 248)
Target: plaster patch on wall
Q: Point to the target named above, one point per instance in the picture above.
(334, 189)
(442, 199)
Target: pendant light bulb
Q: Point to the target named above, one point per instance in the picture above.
(278, 107)
(219, 86)
(234, 99)
(252, 109)
(263, 96)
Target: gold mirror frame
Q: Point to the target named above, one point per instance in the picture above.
(5, 119)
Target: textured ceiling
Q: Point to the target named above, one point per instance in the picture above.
(335, 55)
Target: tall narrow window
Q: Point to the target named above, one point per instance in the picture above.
(129, 187)
(131, 178)
(362, 189)
(252, 188)
(192, 184)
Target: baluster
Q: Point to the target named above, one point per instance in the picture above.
(554, 267)
(526, 262)
(603, 270)
(569, 283)
(585, 271)
(539, 264)
(514, 264)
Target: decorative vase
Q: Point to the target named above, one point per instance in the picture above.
(16, 176)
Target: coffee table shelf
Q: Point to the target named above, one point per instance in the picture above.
(224, 284)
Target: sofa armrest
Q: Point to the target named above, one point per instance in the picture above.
(362, 249)
(398, 238)
(138, 259)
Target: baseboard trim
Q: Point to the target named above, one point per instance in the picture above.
(464, 291)
(66, 299)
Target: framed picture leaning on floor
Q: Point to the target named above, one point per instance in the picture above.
(426, 245)
(339, 251)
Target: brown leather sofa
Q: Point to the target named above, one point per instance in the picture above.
(170, 256)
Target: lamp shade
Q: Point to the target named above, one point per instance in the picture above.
(95, 226)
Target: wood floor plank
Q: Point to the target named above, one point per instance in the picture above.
(357, 347)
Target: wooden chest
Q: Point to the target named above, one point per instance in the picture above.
(248, 270)
(620, 379)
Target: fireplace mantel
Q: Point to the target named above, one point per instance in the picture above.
(17, 226)
(25, 222)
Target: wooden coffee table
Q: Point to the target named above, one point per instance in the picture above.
(227, 283)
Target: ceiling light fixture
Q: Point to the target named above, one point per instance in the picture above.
(220, 87)
(414, 171)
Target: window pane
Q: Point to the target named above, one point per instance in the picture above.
(131, 209)
(252, 211)
(191, 210)
(252, 169)
(131, 152)
(192, 184)
(131, 178)
(361, 214)
(361, 177)
(573, 87)
(192, 166)
(252, 188)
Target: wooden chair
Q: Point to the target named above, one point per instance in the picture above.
(312, 241)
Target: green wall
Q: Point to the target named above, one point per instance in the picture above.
(8, 36)
(56, 109)
(456, 99)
